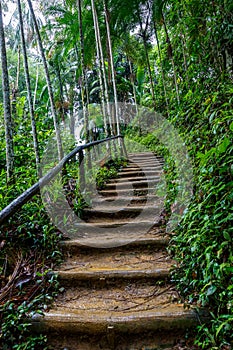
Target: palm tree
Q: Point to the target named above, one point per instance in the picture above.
(6, 103)
(48, 80)
(28, 84)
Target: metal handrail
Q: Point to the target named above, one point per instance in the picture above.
(17, 203)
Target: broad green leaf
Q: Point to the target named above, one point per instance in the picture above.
(226, 236)
(211, 290)
(223, 145)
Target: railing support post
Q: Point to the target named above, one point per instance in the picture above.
(82, 181)
(123, 148)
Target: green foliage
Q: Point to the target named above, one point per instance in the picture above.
(203, 244)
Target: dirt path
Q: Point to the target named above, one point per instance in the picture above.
(115, 287)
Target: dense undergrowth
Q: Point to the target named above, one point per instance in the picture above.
(203, 244)
(203, 241)
(29, 250)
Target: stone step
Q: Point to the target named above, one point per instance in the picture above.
(135, 183)
(137, 173)
(130, 192)
(133, 179)
(157, 239)
(118, 212)
(125, 262)
(74, 276)
(146, 156)
(148, 199)
(144, 165)
(135, 168)
(95, 321)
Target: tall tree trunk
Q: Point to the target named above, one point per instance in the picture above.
(49, 85)
(6, 103)
(106, 95)
(99, 66)
(28, 84)
(18, 69)
(36, 87)
(161, 65)
(143, 32)
(83, 83)
(71, 101)
(106, 13)
(170, 55)
(61, 102)
(15, 89)
(132, 82)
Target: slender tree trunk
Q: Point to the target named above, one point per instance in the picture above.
(71, 100)
(106, 95)
(49, 85)
(83, 84)
(132, 82)
(161, 65)
(18, 69)
(6, 103)
(28, 84)
(99, 67)
(15, 88)
(170, 54)
(61, 107)
(143, 32)
(36, 87)
(112, 66)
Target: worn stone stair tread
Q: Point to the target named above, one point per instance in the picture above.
(128, 191)
(133, 183)
(145, 177)
(75, 275)
(137, 173)
(111, 200)
(142, 167)
(127, 262)
(116, 209)
(143, 155)
(121, 297)
(150, 158)
(144, 160)
(142, 221)
(93, 240)
(155, 241)
(72, 321)
(118, 223)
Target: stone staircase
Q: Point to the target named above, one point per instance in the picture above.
(115, 287)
